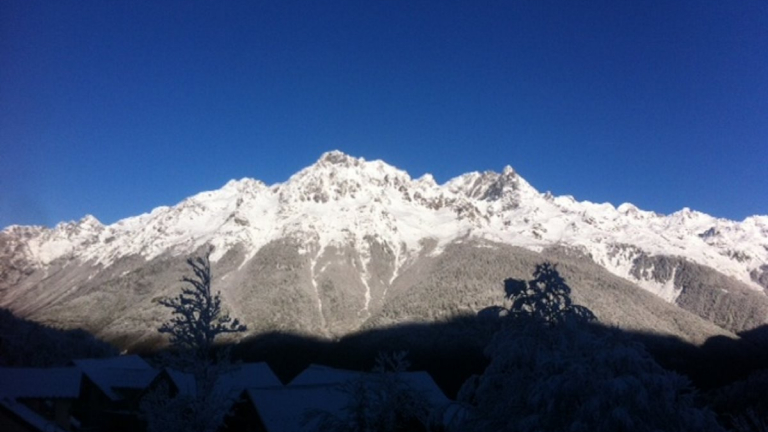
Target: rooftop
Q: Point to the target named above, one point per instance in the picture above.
(43, 383)
(122, 372)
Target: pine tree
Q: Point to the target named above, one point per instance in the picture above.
(546, 299)
(198, 319)
(197, 314)
(552, 369)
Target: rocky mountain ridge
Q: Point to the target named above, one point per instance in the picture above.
(346, 234)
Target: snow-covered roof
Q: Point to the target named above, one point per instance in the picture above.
(317, 374)
(26, 415)
(184, 382)
(321, 389)
(43, 383)
(247, 375)
(232, 382)
(122, 372)
(422, 382)
(418, 380)
(284, 409)
(318, 389)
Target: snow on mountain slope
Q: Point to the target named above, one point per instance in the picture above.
(347, 201)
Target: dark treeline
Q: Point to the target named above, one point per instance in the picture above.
(30, 344)
(453, 350)
(730, 375)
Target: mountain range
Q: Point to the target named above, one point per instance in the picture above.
(348, 244)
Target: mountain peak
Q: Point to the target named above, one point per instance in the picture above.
(89, 219)
(244, 184)
(342, 197)
(337, 157)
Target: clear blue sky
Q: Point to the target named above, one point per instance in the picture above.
(115, 107)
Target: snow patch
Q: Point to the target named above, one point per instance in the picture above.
(313, 280)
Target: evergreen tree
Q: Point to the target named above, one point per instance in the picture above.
(197, 314)
(546, 299)
(552, 369)
(198, 319)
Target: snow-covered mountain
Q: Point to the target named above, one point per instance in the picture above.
(345, 236)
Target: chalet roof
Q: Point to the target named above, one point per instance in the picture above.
(232, 382)
(184, 382)
(291, 408)
(122, 372)
(285, 409)
(42, 383)
(418, 380)
(27, 416)
(317, 374)
(318, 389)
(247, 375)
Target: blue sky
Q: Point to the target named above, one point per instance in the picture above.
(112, 108)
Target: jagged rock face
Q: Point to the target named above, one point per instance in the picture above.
(14, 264)
(341, 243)
(760, 276)
(725, 301)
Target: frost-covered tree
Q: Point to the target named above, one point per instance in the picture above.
(743, 403)
(552, 370)
(750, 421)
(545, 299)
(198, 319)
(202, 410)
(30, 344)
(197, 314)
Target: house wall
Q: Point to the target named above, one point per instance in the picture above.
(90, 406)
(243, 418)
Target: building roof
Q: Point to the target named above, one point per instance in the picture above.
(286, 409)
(317, 374)
(184, 382)
(320, 389)
(27, 416)
(42, 383)
(122, 372)
(231, 382)
(247, 375)
(418, 380)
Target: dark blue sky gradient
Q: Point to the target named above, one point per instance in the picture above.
(115, 107)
